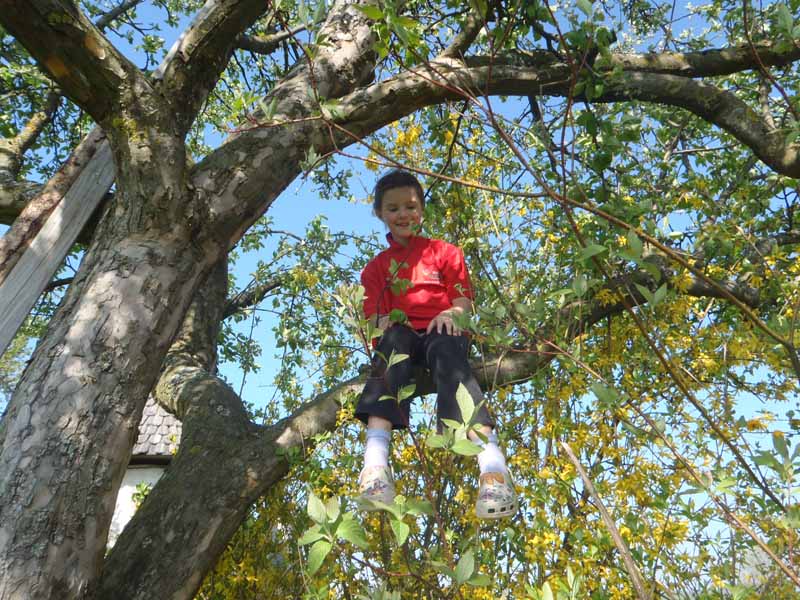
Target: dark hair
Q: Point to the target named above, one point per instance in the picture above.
(396, 178)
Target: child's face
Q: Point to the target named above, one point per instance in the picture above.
(401, 210)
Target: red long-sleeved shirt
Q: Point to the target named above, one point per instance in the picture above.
(437, 272)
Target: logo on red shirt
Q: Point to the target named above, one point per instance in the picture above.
(431, 276)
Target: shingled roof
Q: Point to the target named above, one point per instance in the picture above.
(159, 434)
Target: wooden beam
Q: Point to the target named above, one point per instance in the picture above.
(30, 220)
(34, 270)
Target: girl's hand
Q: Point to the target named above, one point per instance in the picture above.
(444, 323)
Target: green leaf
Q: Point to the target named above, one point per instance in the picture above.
(465, 567)
(585, 6)
(477, 428)
(406, 391)
(302, 12)
(330, 109)
(419, 507)
(435, 441)
(396, 358)
(648, 295)
(372, 12)
(400, 30)
(443, 568)
(634, 243)
(316, 509)
(580, 285)
(466, 448)
(392, 508)
(332, 508)
(452, 424)
(479, 580)
(783, 18)
(479, 6)
(660, 294)
(401, 530)
(607, 396)
(465, 403)
(269, 109)
(779, 443)
(350, 530)
(311, 536)
(592, 250)
(725, 484)
(651, 269)
(547, 592)
(764, 459)
(317, 554)
(396, 315)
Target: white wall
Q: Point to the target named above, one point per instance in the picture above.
(125, 507)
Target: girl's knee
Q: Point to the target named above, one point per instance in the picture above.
(453, 348)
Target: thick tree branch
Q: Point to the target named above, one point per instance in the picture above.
(365, 110)
(194, 348)
(243, 173)
(14, 196)
(716, 106)
(30, 133)
(86, 66)
(202, 53)
(250, 297)
(368, 109)
(13, 149)
(463, 40)
(708, 63)
(714, 62)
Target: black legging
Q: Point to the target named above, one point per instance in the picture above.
(445, 356)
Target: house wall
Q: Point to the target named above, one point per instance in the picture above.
(125, 507)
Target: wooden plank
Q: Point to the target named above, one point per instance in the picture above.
(34, 270)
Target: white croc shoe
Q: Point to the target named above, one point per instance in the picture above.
(375, 484)
(496, 496)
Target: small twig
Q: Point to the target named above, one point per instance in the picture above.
(622, 547)
(30, 133)
(56, 283)
(250, 297)
(266, 44)
(762, 67)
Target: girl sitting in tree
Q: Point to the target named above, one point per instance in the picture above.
(427, 280)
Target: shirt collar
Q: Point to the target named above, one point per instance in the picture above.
(414, 241)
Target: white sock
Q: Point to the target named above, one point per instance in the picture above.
(376, 452)
(491, 459)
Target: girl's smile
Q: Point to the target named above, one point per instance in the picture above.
(401, 211)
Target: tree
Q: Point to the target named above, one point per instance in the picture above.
(144, 309)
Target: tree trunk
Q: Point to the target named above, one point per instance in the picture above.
(221, 460)
(70, 426)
